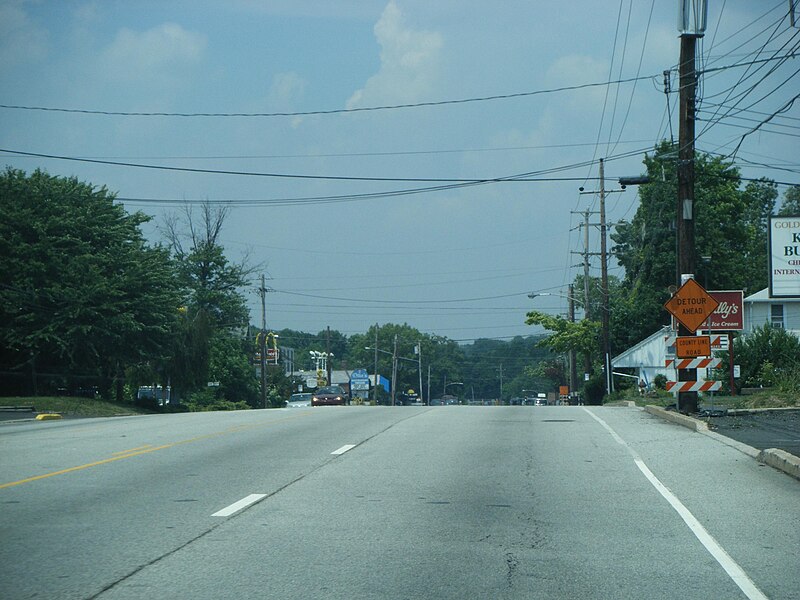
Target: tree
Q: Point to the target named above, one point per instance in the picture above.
(790, 207)
(213, 303)
(581, 336)
(83, 296)
(729, 227)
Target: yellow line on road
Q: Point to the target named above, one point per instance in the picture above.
(133, 449)
(147, 450)
(82, 467)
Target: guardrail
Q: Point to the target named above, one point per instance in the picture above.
(17, 408)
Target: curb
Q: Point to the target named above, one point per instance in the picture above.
(781, 460)
(778, 459)
(48, 417)
(678, 418)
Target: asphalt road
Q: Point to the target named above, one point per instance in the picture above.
(378, 502)
(768, 429)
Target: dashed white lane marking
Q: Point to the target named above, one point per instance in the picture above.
(240, 505)
(732, 568)
(343, 449)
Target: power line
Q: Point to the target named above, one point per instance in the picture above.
(403, 301)
(355, 154)
(323, 112)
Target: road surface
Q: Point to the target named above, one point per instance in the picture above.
(380, 502)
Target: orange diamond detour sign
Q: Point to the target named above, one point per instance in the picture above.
(691, 305)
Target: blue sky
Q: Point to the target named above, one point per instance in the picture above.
(456, 262)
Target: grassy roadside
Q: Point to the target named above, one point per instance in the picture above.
(79, 407)
(762, 399)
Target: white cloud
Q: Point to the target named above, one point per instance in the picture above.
(410, 61)
(286, 89)
(21, 41)
(155, 55)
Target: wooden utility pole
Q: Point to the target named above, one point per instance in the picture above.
(573, 384)
(604, 283)
(375, 382)
(262, 346)
(687, 401)
(394, 370)
(419, 366)
(328, 360)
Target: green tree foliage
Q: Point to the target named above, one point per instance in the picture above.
(214, 306)
(445, 356)
(487, 360)
(83, 296)
(790, 207)
(729, 228)
(581, 336)
(230, 365)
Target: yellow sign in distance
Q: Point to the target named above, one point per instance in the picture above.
(691, 305)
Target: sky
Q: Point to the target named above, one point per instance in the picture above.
(358, 144)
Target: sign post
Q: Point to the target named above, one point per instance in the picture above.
(691, 305)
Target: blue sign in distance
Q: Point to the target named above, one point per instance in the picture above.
(359, 380)
(359, 374)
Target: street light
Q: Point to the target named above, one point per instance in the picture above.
(573, 375)
(447, 385)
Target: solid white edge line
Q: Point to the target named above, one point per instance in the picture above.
(731, 567)
(343, 449)
(237, 506)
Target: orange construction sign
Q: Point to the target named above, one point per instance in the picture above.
(691, 305)
(692, 346)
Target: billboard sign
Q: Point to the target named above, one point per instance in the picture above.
(784, 257)
(359, 380)
(729, 315)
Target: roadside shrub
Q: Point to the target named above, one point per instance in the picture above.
(660, 381)
(207, 400)
(767, 356)
(595, 389)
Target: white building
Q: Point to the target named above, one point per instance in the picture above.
(759, 309)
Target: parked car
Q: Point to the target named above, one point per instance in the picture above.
(331, 394)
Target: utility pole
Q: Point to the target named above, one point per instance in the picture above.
(573, 384)
(428, 395)
(394, 371)
(375, 383)
(604, 308)
(692, 22)
(604, 282)
(419, 366)
(262, 346)
(587, 362)
(500, 369)
(328, 360)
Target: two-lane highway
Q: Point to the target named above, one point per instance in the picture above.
(374, 502)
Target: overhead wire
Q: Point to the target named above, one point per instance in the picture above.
(316, 112)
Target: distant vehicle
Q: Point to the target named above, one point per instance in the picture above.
(332, 394)
(540, 401)
(303, 399)
(436, 402)
(157, 395)
(451, 401)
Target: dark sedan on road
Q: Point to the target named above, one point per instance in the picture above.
(329, 395)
